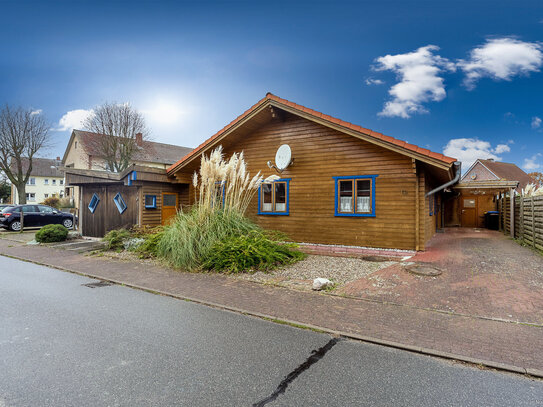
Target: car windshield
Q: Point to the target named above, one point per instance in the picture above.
(6, 209)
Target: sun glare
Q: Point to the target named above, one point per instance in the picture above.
(164, 113)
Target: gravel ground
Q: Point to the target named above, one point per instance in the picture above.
(339, 270)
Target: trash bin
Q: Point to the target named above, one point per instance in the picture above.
(492, 220)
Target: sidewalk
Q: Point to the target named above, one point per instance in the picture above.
(512, 346)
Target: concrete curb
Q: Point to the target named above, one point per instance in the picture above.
(383, 342)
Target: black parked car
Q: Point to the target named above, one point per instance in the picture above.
(34, 216)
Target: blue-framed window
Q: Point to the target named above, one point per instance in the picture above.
(221, 193)
(355, 195)
(132, 176)
(93, 203)
(119, 201)
(273, 197)
(150, 201)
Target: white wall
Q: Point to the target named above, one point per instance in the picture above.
(40, 189)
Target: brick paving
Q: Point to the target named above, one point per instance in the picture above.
(484, 274)
(468, 338)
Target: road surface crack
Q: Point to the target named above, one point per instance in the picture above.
(316, 355)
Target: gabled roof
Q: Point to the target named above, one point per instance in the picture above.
(400, 146)
(43, 167)
(508, 172)
(150, 151)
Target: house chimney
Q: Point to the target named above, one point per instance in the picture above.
(139, 139)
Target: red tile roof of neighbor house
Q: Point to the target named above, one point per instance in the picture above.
(509, 172)
(149, 151)
(318, 115)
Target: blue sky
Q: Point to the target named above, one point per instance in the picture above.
(459, 77)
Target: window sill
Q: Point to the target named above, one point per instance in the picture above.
(274, 213)
(356, 215)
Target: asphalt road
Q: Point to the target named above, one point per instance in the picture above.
(65, 344)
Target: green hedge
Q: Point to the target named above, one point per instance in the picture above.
(51, 233)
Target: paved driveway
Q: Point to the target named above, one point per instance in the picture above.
(485, 273)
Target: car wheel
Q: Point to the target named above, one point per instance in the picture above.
(15, 226)
(67, 223)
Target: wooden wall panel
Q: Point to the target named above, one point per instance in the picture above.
(321, 153)
(106, 217)
(152, 217)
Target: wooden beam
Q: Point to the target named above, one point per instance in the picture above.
(417, 208)
(512, 213)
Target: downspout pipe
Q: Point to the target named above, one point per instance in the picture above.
(458, 166)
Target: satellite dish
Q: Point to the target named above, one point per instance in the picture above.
(283, 157)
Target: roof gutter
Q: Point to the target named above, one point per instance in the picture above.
(458, 166)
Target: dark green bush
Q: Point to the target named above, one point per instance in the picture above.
(114, 239)
(250, 252)
(51, 233)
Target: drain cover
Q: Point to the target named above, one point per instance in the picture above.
(97, 284)
(423, 270)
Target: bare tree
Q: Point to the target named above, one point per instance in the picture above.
(121, 128)
(23, 133)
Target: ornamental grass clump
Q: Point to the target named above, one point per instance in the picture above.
(223, 190)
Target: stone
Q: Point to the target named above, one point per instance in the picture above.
(321, 283)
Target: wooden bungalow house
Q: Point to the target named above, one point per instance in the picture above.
(345, 185)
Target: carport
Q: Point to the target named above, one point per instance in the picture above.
(475, 198)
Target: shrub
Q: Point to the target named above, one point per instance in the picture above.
(251, 252)
(115, 239)
(51, 233)
(149, 247)
(52, 201)
(66, 202)
(191, 236)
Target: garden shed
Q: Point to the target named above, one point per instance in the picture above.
(339, 183)
(139, 196)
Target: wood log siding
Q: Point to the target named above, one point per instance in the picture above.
(152, 217)
(319, 154)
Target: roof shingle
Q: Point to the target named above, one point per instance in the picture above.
(150, 151)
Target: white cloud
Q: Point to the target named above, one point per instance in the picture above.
(501, 59)
(419, 80)
(536, 122)
(468, 150)
(531, 164)
(73, 119)
(35, 112)
(501, 148)
(371, 81)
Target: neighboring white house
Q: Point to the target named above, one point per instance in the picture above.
(46, 180)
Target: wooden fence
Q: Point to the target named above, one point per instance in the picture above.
(528, 219)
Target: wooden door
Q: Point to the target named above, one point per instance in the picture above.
(169, 207)
(469, 211)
